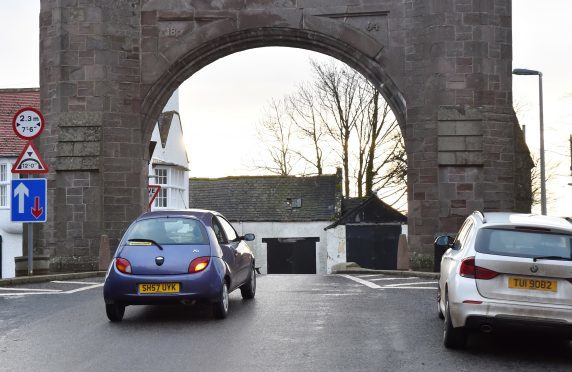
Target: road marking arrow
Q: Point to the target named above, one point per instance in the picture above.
(37, 211)
(21, 191)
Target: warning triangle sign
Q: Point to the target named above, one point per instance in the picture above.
(30, 161)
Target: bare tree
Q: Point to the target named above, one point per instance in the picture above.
(276, 132)
(304, 112)
(550, 171)
(386, 163)
(337, 89)
(391, 173)
(341, 113)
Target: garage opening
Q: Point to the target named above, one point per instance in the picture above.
(291, 255)
(373, 246)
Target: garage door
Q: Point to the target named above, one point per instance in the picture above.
(373, 246)
(291, 255)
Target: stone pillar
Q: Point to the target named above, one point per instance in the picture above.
(460, 136)
(89, 81)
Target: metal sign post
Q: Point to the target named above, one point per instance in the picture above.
(29, 196)
(30, 248)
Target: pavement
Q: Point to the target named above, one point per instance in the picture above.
(345, 270)
(406, 273)
(49, 278)
(353, 268)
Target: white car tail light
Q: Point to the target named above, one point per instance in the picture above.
(468, 269)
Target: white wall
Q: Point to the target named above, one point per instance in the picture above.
(336, 242)
(11, 243)
(11, 231)
(268, 230)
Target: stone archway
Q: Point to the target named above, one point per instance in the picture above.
(108, 67)
(194, 57)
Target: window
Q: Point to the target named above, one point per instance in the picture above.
(168, 231)
(161, 176)
(294, 202)
(228, 230)
(218, 231)
(4, 185)
(522, 243)
(463, 235)
(172, 193)
(161, 179)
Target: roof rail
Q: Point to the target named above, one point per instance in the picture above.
(569, 219)
(482, 215)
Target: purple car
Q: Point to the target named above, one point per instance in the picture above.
(180, 256)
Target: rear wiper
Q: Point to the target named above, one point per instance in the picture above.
(138, 240)
(551, 258)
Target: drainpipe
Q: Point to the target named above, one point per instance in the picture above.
(0, 256)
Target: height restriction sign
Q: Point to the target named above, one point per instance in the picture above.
(28, 123)
(29, 161)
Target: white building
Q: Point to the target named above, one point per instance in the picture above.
(301, 224)
(288, 216)
(169, 165)
(11, 100)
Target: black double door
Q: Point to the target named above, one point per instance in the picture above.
(291, 256)
(373, 246)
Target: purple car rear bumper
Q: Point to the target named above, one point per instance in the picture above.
(203, 286)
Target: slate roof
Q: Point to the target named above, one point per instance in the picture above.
(11, 100)
(164, 122)
(265, 198)
(368, 210)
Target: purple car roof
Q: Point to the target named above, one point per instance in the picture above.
(201, 214)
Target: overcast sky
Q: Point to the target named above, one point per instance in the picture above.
(221, 104)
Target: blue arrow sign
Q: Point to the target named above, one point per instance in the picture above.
(29, 200)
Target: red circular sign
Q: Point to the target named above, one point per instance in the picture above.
(28, 123)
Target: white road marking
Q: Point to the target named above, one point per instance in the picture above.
(29, 289)
(27, 294)
(367, 276)
(431, 288)
(408, 284)
(361, 281)
(64, 282)
(413, 285)
(84, 288)
(35, 291)
(379, 279)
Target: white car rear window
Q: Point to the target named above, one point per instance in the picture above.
(523, 243)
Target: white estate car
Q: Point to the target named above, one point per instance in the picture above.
(505, 271)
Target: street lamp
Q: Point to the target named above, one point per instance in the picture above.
(523, 71)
